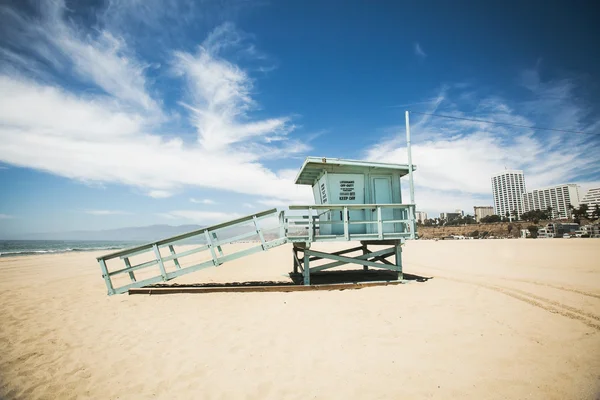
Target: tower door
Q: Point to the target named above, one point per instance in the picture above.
(381, 187)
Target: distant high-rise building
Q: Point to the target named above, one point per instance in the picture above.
(482, 211)
(508, 188)
(421, 216)
(592, 199)
(461, 212)
(450, 216)
(557, 197)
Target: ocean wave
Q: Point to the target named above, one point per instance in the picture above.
(54, 251)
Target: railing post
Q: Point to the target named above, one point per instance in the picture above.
(161, 266)
(346, 225)
(379, 223)
(211, 248)
(128, 265)
(311, 232)
(176, 261)
(214, 235)
(106, 277)
(260, 234)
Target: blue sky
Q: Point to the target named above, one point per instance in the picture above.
(127, 113)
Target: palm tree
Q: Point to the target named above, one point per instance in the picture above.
(570, 211)
(583, 211)
(515, 214)
(549, 213)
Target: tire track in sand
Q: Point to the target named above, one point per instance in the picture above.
(543, 303)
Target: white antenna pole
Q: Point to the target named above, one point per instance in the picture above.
(410, 164)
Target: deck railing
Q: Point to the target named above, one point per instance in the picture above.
(308, 223)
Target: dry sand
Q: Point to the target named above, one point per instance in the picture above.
(500, 319)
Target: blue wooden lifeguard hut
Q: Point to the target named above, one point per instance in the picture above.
(354, 200)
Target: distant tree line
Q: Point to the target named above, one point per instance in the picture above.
(531, 216)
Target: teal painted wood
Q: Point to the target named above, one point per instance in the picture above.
(346, 227)
(207, 234)
(353, 237)
(235, 238)
(215, 241)
(399, 261)
(135, 253)
(172, 240)
(193, 268)
(161, 266)
(211, 248)
(339, 252)
(106, 277)
(185, 253)
(259, 231)
(383, 253)
(175, 260)
(131, 274)
(347, 260)
(311, 227)
(306, 267)
(379, 223)
(145, 282)
(134, 268)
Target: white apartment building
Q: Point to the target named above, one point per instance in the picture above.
(482, 211)
(558, 197)
(591, 198)
(421, 216)
(507, 188)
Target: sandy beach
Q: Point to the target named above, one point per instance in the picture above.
(500, 319)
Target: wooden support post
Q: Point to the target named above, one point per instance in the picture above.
(131, 275)
(176, 261)
(399, 260)
(161, 266)
(365, 250)
(306, 265)
(106, 277)
(296, 261)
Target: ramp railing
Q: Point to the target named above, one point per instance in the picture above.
(335, 222)
(210, 242)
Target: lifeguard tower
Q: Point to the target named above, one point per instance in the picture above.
(353, 201)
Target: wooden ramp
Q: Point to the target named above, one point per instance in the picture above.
(159, 262)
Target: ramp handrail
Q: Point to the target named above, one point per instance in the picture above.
(213, 244)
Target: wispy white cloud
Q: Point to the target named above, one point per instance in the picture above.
(247, 205)
(202, 201)
(419, 50)
(95, 57)
(160, 194)
(112, 135)
(6, 216)
(456, 158)
(106, 212)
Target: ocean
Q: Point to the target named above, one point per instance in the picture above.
(10, 248)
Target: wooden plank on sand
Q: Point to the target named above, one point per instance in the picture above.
(266, 288)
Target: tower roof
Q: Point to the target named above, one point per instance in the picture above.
(314, 167)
